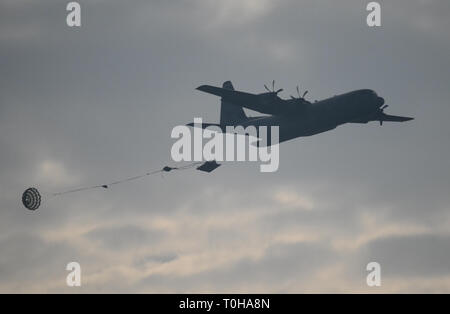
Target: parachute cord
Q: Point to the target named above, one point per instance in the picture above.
(105, 186)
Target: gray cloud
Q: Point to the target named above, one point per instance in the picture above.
(123, 237)
(281, 264)
(415, 256)
(98, 103)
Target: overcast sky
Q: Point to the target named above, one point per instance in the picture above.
(84, 106)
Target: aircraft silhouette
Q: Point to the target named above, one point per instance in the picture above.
(297, 117)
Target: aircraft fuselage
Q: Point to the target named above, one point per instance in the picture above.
(323, 115)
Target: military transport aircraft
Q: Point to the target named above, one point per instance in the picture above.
(297, 117)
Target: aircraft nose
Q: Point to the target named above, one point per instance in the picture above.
(380, 101)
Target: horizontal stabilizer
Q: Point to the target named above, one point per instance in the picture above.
(242, 99)
(205, 125)
(214, 90)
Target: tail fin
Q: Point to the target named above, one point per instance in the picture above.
(230, 114)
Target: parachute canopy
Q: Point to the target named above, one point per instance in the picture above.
(31, 199)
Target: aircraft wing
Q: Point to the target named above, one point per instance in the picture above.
(387, 117)
(247, 100)
(382, 117)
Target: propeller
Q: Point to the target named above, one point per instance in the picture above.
(382, 111)
(273, 88)
(298, 94)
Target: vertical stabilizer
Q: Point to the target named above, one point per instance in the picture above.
(230, 114)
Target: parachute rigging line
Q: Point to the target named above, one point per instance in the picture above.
(32, 199)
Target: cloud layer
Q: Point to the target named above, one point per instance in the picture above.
(82, 106)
